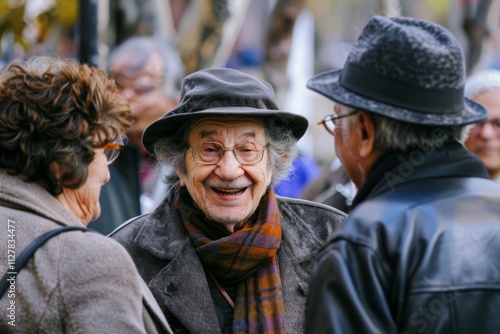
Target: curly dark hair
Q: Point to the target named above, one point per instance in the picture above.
(55, 111)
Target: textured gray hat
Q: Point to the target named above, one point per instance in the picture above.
(406, 69)
(222, 92)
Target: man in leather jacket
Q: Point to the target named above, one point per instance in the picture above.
(222, 253)
(419, 250)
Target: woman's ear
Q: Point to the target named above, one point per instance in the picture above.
(367, 134)
(181, 177)
(56, 170)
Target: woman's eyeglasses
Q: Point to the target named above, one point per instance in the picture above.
(112, 150)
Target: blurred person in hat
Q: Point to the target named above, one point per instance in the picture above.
(484, 138)
(147, 71)
(222, 253)
(418, 252)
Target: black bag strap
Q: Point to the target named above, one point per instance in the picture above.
(28, 252)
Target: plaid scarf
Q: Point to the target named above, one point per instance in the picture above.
(246, 257)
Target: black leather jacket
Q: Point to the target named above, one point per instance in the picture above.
(420, 252)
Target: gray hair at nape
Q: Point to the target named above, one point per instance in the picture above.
(481, 82)
(143, 47)
(392, 134)
(282, 151)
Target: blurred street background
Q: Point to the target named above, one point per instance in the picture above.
(282, 41)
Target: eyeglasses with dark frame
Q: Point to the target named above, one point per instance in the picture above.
(330, 121)
(112, 150)
(210, 153)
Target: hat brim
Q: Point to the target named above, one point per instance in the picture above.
(328, 85)
(166, 126)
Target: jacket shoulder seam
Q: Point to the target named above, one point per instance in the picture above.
(126, 223)
(303, 202)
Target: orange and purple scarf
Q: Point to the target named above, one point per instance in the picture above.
(247, 258)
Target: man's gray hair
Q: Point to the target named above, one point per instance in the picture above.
(483, 81)
(281, 142)
(396, 135)
(143, 47)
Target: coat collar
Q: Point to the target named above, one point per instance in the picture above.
(31, 197)
(161, 236)
(401, 167)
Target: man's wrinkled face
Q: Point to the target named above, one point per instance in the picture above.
(484, 139)
(141, 83)
(228, 192)
(346, 145)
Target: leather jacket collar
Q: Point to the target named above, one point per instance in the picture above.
(399, 167)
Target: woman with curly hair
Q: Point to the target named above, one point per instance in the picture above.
(61, 124)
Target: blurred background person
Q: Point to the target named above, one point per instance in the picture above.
(148, 72)
(484, 138)
(61, 124)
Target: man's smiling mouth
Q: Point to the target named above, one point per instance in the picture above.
(229, 191)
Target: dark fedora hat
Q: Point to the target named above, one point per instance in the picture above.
(224, 93)
(407, 69)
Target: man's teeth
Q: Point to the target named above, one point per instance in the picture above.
(229, 192)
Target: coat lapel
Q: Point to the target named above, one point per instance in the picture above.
(180, 286)
(294, 283)
(185, 291)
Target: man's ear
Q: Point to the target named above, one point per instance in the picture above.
(367, 134)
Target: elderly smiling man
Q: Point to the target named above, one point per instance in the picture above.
(222, 253)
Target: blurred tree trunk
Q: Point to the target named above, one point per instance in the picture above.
(200, 33)
(164, 24)
(208, 30)
(277, 42)
(135, 18)
(390, 8)
(88, 48)
(230, 31)
(476, 29)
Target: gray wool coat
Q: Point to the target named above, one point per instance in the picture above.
(167, 260)
(77, 282)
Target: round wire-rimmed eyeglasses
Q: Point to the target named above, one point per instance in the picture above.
(330, 121)
(112, 150)
(210, 153)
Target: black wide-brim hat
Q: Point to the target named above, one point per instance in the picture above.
(406, 69)
(224, 93)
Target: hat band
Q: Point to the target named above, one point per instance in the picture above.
(399, 93)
